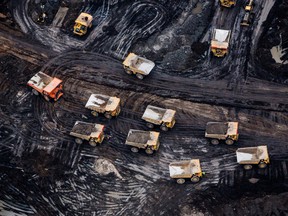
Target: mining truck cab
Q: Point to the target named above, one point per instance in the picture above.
(82, 23)
(134, 64)
(250, 156)
(49, 87)
(227, 3)
(186, 169)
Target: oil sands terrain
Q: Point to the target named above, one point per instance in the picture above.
(44, 172)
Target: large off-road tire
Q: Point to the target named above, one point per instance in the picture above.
(195, 179)
(94, 113)
(134, 149)
(214, 141)
(35, 92)
(247, 166)
(92, 142)
(46, 97)
(150, 125)
(180, 181)
(164, 128)
(128, 71)
(262, 165)
(107, 115)
(139, 76)
(78, 141)
(229, 141)
(149, 151)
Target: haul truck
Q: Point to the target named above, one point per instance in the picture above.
(147, 140)
(159, 116)
(227, 3)
(248, 16)
(82, 23)
(220, 42)
(49, 87)
(186, 169)
(227, 131)
(91, 132)
(99, 103)
(134, 64)
(253, 155)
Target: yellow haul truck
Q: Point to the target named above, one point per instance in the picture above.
(186, 169)
(248, 16)
(253, 156)
(134, 64)
(147, 140)
(159, 116)
(220, 42)
(227, 3)
(82, 23)
(99, 103)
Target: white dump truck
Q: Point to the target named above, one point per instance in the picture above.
(253, 156)
(227, 131)
(186, 169)
(99, 103)
(147, 140)
(220, 42)
(159, 116)
(93, 133)
(134, 64)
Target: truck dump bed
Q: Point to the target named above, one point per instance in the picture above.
(220, 38)
(141, 64)
(102, 103)
(84, 19)
(141, 139)
(252, 155)
(222, 128)
(40, 81)
(86, 130)
(158, 115)
(185, 168)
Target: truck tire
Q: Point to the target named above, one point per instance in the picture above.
(195, 179)
(262, 165)
(149, 125)
(78, 141)
(134, 149)
(164, 128)
(128, 71)
(139, 76)
(107, 115)
(247, 167)
(180, 181)
(214, 141)
(92, 142)
(149, 151)
(35, 92)
(46, 97)
(94, 113)
(229, 141)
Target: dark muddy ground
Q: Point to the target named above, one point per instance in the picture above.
(44, 172)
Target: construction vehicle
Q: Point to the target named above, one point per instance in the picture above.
(227, 3)
(220, 42)
(253, 155)
(216, 131)
(159, 116)
(91, 132)
(248, 16)
(186, 169)
(134, 64)
(147, 140)
(99, 103)
(82, 23)
(49, 87)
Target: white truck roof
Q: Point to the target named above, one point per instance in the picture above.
(185, 168)
(252, 154)
(220, 38)
(105, 102)
(158, 114)
(142, 64)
